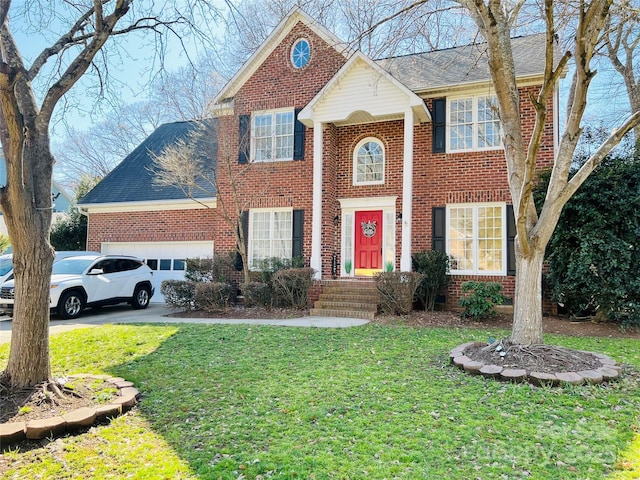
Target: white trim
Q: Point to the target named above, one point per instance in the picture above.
(148, 206)
(308, 116)
(316, 219)
(475, 207)
(407, 193)
(273, 113)
(474, 97)
(348, 207)
(355, 162)
(252, 212)
(444, 90)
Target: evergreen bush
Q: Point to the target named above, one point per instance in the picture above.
(434, 266)
(481, 299)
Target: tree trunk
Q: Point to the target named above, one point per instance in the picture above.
(527, 307)
(28, 204)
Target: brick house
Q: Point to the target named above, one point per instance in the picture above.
(351, 163)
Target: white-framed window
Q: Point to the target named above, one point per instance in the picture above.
(270, 235)
(477, 238)
(300, 53)
(473, 123)
(272, 135)
(368, 162)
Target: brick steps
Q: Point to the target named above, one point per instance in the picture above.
(347, 299)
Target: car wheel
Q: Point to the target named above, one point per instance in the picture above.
(70, 305)
(141, 297)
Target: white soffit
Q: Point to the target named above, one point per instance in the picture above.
(362, 92)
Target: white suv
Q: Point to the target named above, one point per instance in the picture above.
(92, 281)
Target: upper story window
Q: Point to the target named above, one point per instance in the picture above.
(368, 162)
(473, 123)
(300, 53)
(272, 136)
(476, 238)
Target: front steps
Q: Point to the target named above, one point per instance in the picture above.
(347, 298)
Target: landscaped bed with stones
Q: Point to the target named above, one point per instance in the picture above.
(66, 405)
(538, 364)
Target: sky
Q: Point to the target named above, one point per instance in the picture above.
(132, 62)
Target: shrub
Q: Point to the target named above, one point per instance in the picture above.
(594, 252)
(214, 296)
(179, 293)
(217, 269)
(397, 290)
(481, 299)
(269, 266)
(257, 294)
(434, 266)
(291, 286)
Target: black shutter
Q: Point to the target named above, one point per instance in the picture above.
(298, 226)
(298, 138)
(244, 222)
(244, 143)
(511, 237)
(439, 120)
(439, 229)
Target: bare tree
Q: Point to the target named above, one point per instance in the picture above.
(96, 151)
(495, 19)
(187, 165)
(84, 27)
(621, 41)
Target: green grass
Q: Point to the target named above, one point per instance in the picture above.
(257, 402)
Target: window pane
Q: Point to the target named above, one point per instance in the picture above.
(260, 237)
(490, 239)
(179, 264)
(165, 264)
(262, 133)
(153, 263)
(284, 135)
(460, 238)
(282, 233)
(489, 134)
(461, 124)
(370, 163)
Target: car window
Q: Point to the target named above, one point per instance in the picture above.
(71, 266)
(6, 266)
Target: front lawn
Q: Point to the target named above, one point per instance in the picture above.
(374, 402)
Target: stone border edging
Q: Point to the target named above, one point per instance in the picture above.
(608, 370)
(76, 419)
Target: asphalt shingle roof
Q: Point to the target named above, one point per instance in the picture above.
(463, 65)
(132, 179)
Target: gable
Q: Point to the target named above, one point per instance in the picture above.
(290, 21)
(361, 92)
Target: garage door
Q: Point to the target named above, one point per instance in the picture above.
(166, 259)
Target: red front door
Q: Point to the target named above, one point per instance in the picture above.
(368, 258)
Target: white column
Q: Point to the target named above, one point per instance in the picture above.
(407, 193)
(316, 222)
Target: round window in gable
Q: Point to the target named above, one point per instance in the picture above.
(300, 53)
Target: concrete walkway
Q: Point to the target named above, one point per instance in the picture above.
(157, 313)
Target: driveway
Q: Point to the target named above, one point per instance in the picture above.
(157, 313)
